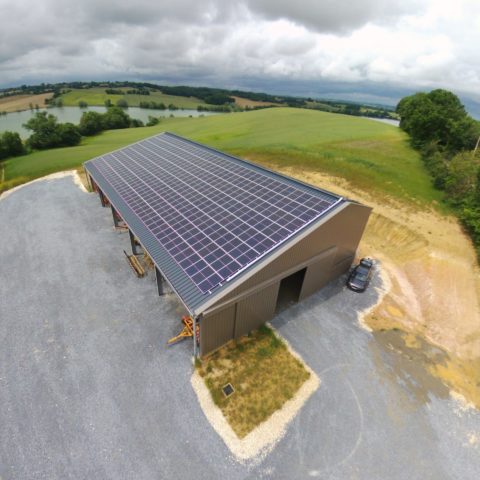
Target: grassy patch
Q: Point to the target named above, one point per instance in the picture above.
(370, 155)
(263, 373)
(97, 96)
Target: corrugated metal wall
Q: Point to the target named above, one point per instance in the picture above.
(217, 329)
(255, 310)
(317, 274)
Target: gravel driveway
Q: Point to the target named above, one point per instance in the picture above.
(88, 389)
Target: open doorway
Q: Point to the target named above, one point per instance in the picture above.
(289, 291)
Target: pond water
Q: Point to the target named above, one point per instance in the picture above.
(388, 121)
(14, 121)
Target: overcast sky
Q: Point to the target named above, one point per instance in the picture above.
(357, 49)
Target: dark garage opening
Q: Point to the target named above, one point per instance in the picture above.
(290, 288)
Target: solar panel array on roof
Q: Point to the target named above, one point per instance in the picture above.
(214, 214)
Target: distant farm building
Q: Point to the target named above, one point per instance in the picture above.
(233, 240)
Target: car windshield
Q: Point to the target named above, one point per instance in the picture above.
(361, 276)
(361, 270)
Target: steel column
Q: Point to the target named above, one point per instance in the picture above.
(133, 243)
(115, 217)
(102, 198)
(194, 337)
(160, 282)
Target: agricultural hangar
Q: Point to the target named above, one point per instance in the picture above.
(233, 240)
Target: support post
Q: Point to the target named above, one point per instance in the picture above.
(115, 217)
(194, 337)
(133, 243)
(102, 198)
(159, 278)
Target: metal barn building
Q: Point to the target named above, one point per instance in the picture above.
(233, 240)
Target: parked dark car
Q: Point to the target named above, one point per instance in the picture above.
(361, 275)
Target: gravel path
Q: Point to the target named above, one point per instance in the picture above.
(88, 389)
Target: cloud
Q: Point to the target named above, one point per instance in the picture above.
(400, 45)
(336, 16)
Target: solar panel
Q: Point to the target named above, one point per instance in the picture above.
(214, 214)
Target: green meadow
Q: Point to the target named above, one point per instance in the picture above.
(371, 155)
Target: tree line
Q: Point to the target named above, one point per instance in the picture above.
(444, 133)
(47, 132)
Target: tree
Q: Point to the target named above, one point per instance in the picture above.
(461, 180)
(152, 121)
(439, 117)
(218, 99)
(135, 123)
(44, 128)
(108, 103)
(47, 133)
(82, 104)
(68, 134)
(115, 117)
(91, 123)
(11, 145)
(122, 103)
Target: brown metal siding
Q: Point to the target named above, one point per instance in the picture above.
(343, 231)
(217, 329)
(317, 275)
(256, 309)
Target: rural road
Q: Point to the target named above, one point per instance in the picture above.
(88, 389)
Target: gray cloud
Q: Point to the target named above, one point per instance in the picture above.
(399, 44)
(336, 16)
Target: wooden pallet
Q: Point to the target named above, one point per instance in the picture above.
(135, 265)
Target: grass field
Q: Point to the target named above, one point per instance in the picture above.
(369, 154)
(97, 96)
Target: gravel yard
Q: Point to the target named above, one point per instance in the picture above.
(89, 390)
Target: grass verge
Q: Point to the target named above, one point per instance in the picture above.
(263, 373)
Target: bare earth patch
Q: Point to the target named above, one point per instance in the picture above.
(270, 383)
(18, 103)
(431, 282)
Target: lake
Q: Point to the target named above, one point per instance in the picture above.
(14, 121)
(388, 121)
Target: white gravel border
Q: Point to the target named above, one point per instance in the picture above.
(260, 441)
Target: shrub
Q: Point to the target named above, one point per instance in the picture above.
(115, 117)
(135, 123)
(11, 145)
(68, 134)
(152, 121)
(91, 123)
(122, 103)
